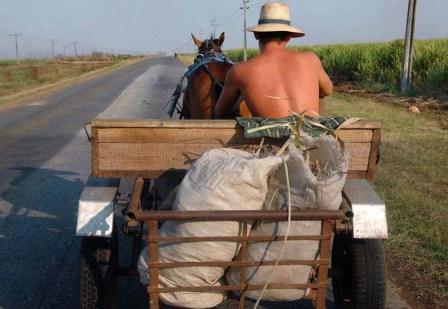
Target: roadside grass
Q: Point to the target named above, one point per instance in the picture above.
(186, 59)
(412, 178)
(20, 75)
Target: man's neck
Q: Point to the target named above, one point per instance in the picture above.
(271, 46)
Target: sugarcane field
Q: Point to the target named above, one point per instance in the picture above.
(224, 154)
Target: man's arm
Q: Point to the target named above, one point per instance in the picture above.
(229, 95)
(325, 84)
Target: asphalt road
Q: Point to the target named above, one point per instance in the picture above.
(44, 165)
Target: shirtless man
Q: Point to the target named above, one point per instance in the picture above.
(278, 81)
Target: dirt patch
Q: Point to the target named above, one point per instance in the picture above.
(437, 106)
(423, 102)
(413, 285)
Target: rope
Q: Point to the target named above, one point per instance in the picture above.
(286, 237)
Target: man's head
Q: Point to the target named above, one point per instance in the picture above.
(279, 36)
(275, 24)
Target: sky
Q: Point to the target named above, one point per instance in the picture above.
(152, 26)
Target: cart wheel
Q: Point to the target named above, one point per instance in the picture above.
(359, 279)
(98, 263)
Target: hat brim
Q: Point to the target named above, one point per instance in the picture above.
(295, 32)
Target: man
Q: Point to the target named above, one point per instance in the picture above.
(278, 81)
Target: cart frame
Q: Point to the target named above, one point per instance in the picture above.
(145, 149)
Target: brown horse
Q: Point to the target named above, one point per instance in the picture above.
(206, 82)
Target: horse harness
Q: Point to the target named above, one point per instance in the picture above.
(201, 62)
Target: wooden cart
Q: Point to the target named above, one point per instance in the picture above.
(350, 239)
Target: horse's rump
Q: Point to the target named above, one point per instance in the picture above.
(205, 82)
(203, 90)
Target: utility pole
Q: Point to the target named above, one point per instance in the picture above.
(52, 47)
(74, 48)
(214, 25)
(245, 8)
(16, 36)
(408, 48)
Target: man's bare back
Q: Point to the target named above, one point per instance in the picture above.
(277, 83)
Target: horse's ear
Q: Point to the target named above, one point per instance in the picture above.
(196, 41)
(221, 39)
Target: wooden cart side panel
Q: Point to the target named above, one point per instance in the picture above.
(206, 124)
(148, 159)
(95, 161)
(374, 154)
(199, 136)
(155, 146)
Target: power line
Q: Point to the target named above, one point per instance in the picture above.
(16, 36)
(224, 19)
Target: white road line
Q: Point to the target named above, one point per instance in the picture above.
(37, 103)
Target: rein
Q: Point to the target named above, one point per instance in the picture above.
(214, 79)
(200, 63)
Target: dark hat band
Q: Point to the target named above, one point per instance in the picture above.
(274, 21)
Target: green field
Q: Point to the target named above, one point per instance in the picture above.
(378, 65)
(413, 180)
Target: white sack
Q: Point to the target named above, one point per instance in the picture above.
(307, 191)
(222, 179)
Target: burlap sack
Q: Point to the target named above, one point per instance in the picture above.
(308, 190)
(222, 179)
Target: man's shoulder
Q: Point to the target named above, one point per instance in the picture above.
(240, 68)
(309, 55)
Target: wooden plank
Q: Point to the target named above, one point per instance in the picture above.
(357, 174)
(157, 123)
(94, 152)
(222, 136)
(322, 270)
(202, 136)
(153, 174)
(153, 252)
(243, 256)
(164, 156)
(150, 174)
(373, 156)
(165, 123)
(359, 156)
(133, 159)
(356, 135)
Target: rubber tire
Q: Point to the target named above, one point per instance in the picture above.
(361, 268)
(98, 264)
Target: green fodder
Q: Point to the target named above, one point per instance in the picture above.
(380, 63)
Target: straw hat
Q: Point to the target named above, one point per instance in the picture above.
(275, 16)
